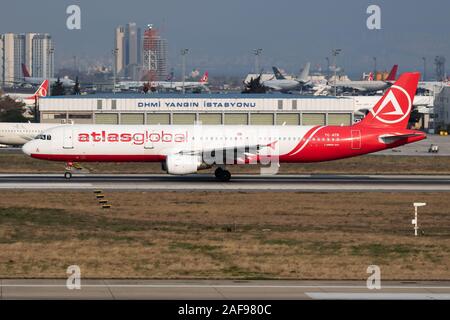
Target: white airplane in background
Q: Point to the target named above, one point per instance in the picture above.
(280, 83)
(368, 85)
(66, 82)
(17, 134)
(167, 85)
(185, 149)
(28, 100)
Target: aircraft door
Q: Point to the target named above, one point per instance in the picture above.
(68, 137)
(356, 139)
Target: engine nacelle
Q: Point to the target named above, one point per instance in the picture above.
(183, 164)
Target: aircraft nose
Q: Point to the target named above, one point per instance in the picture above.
(28, 147)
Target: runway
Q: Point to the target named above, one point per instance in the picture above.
(203, 182)
(222, 289)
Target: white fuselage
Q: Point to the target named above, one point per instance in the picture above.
(37, 81)
(21, 133)
(364, 86)
(153, 143)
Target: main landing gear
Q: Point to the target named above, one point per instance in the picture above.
(222, 174)
(68, 173)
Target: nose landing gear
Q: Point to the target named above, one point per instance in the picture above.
(222, 174)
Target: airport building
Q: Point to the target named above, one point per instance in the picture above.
(227, 109)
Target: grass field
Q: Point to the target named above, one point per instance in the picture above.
(224, 235)
(371, 164)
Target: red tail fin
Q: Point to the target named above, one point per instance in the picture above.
(393, 74)
(25, 72)
(394, 108)
(41, 91)
(204, 78)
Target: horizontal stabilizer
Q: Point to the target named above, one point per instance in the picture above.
(391, 138)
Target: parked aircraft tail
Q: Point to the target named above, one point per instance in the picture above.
(25, 72)
(42, 91)
(278, 74)
(204, 78)
(304, 75)
(393, 74)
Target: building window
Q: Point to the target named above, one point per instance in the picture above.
(113, 104)
(294, 104)
(99, 104)
(280, 104)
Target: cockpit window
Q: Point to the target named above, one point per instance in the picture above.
(44, 137)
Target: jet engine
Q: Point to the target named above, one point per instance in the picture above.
(184, 164)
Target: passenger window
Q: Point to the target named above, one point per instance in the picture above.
(49, 137)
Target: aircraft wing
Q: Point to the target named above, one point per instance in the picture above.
(242, 153)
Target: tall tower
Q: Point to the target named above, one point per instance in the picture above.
(42, 56)
(119, 45)
(12, 55)
(154, 55)
(132, 48)
(439, 63)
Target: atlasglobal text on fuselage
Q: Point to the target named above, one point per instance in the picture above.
(185, 149)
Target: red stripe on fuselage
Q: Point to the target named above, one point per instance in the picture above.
(303, 140)
(100, 157)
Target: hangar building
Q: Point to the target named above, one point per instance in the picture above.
(227, 109)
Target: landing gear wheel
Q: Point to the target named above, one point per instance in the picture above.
(222, 175)
(68, 175)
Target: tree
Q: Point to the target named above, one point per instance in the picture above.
(58, 88)
(76, 87)
(11, 111)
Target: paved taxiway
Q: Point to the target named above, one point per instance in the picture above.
(221, 289)
(205, 182)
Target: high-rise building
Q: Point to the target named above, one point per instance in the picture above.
(33, 50)
(154, 64)
(131, 48)
(42, 56)
(119, 47)
(29, 50)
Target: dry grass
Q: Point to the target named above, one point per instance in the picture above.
(224, 235)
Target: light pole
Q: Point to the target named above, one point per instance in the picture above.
(184, 52)
(257, 53)
(335, 53)
(115, 52)
(424, 76)
(328, 68)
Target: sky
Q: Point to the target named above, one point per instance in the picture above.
(222, 34)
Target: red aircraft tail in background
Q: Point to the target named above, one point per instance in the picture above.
(393, 74)
(42, 91)
(25, 72)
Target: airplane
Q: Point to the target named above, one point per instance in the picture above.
(368, 85)
(280, 83)
(167, 85)
(185, 149)
(66, 82)
(28, 100)
(17, 134)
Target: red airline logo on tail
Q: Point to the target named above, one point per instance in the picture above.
(42, 91)
(395, 106)
(204, 78)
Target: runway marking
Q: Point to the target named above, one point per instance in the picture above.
(223, 286)
(377, 296)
